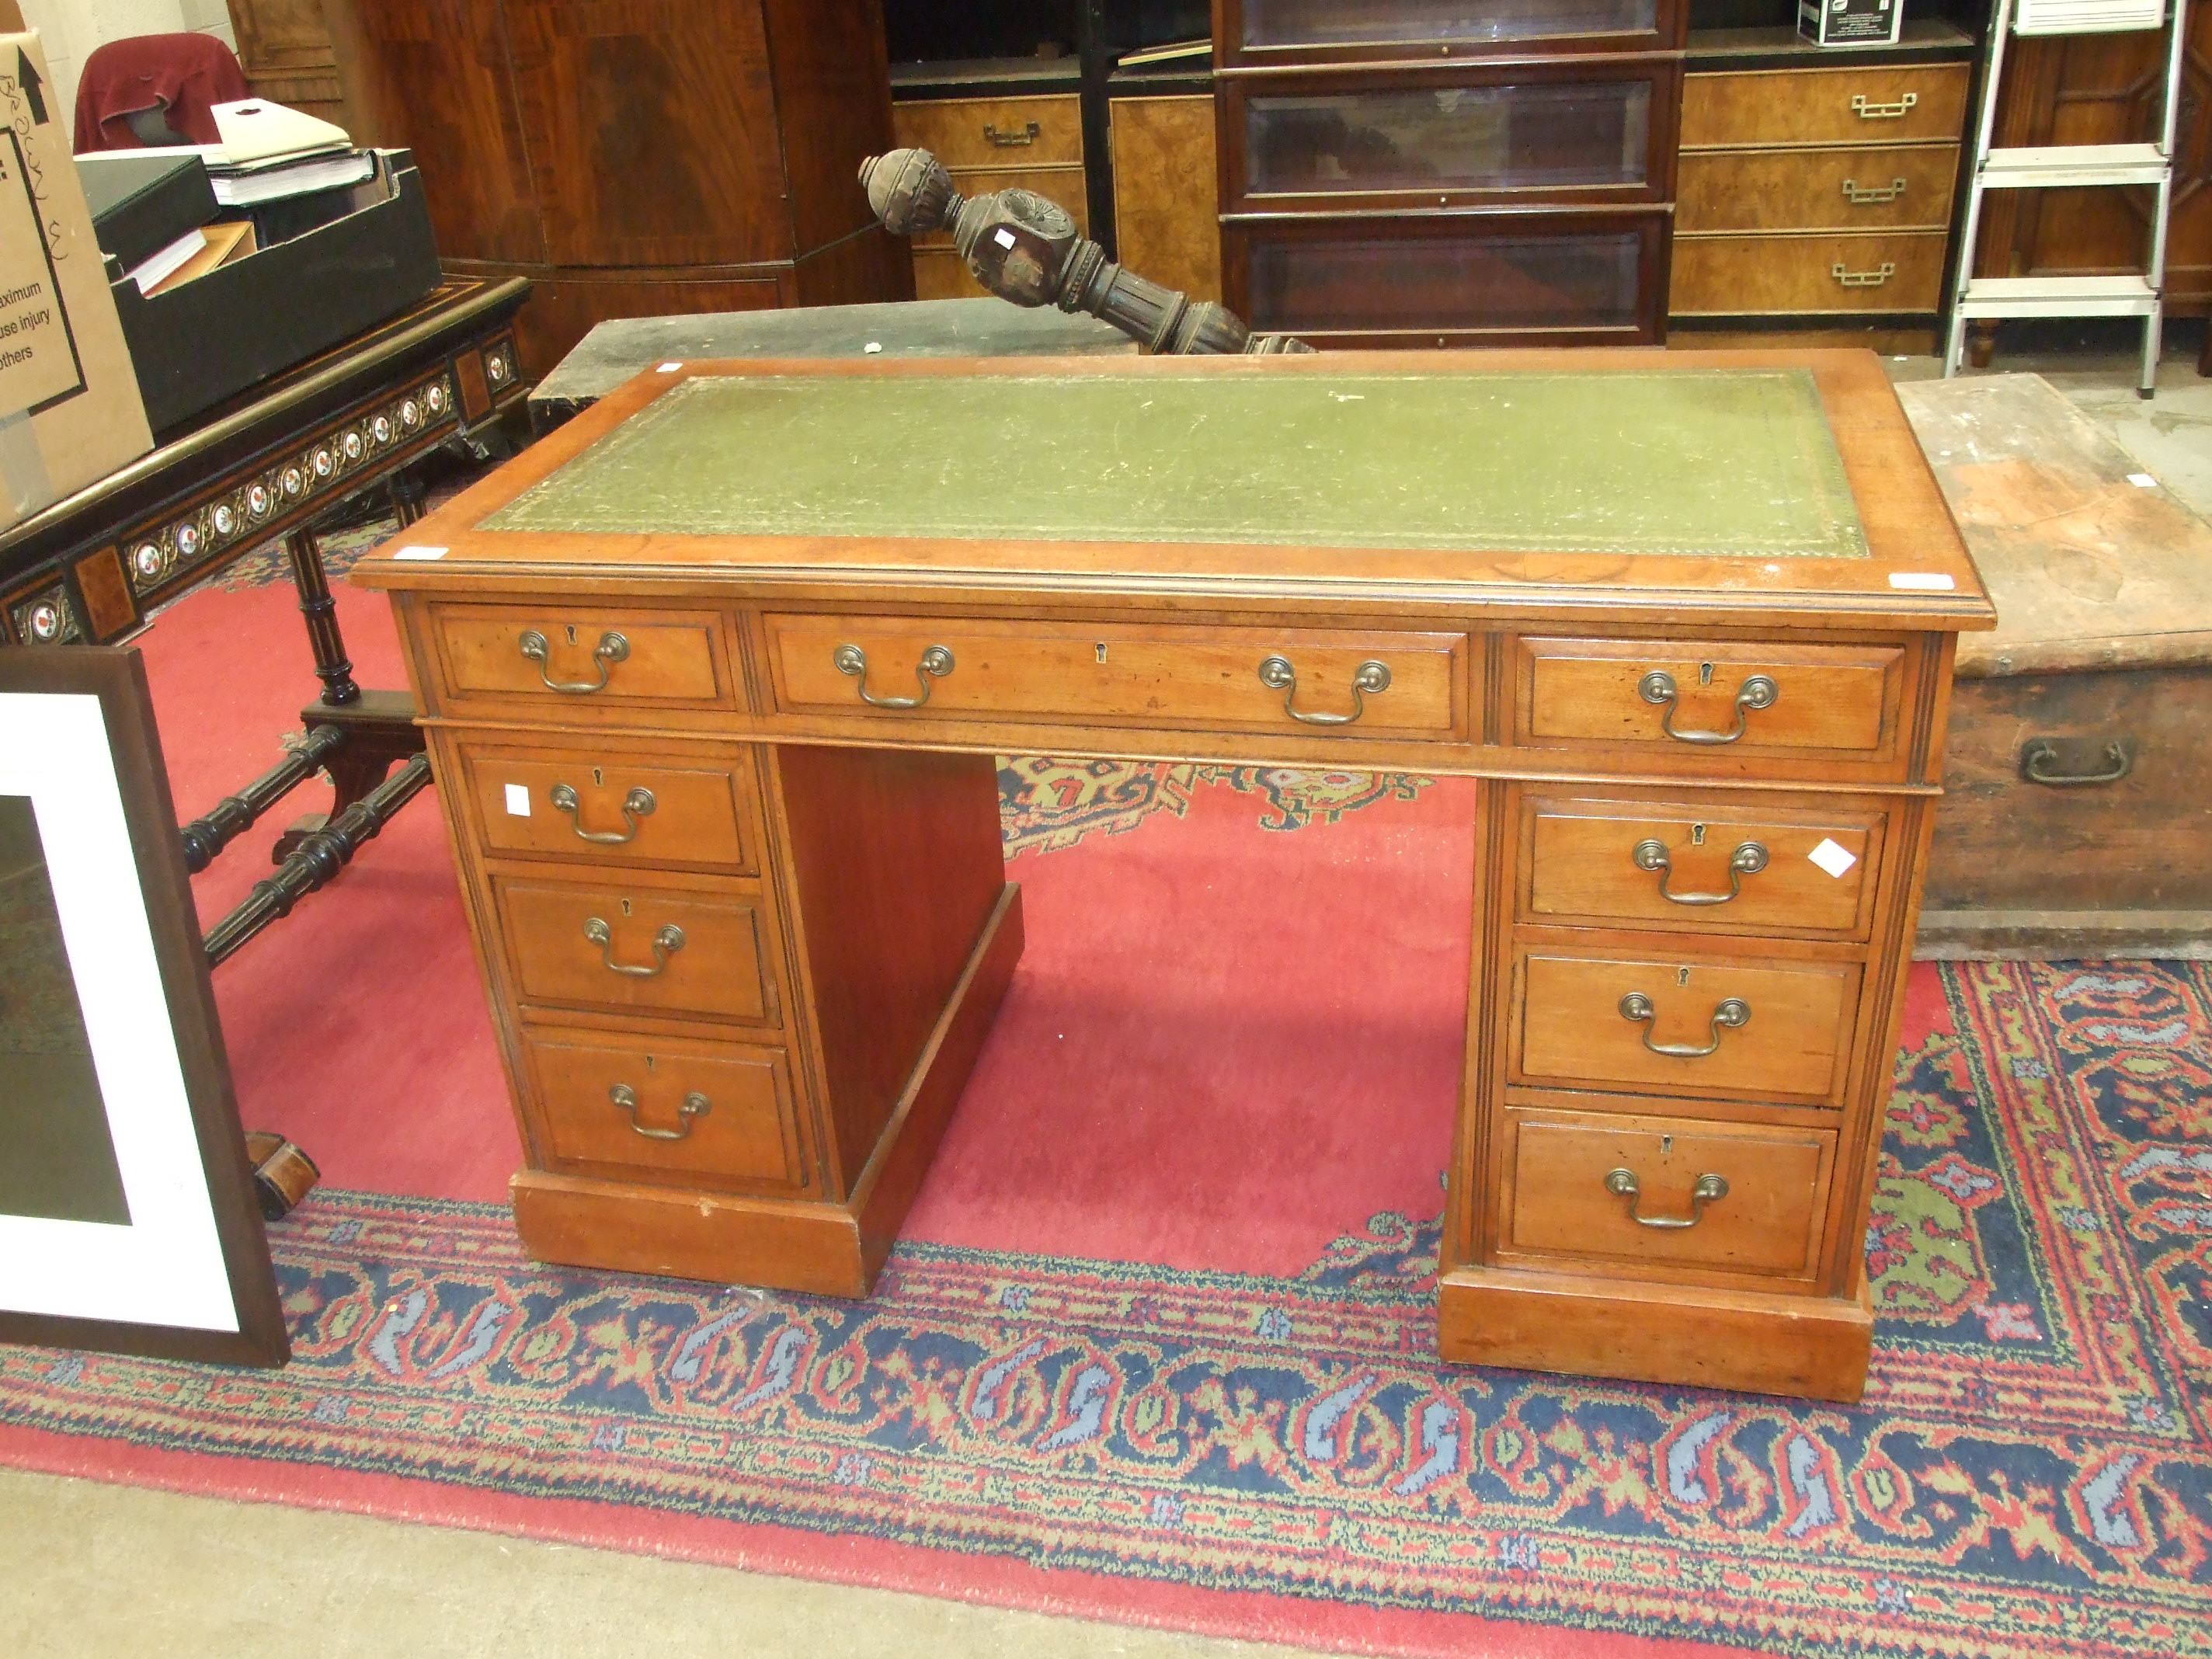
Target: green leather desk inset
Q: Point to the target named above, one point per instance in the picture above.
(1525, 462)
(714, 679)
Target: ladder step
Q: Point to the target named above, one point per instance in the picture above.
(2087, 16)
(2058, 296)
(2060, 165)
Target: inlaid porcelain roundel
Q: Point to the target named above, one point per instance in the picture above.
(148, 558)
(45, 620)
(225, 518)
(294, 481)
(258, 499)
(325, 463)
(380, 429)
(351, 443)
(410, 413)
(436, 397)
(188, 539)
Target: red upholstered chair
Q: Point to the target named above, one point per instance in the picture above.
(156, 90)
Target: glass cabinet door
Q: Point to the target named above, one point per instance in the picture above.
(1274, 28)
(1587, 138)
(1554, 278)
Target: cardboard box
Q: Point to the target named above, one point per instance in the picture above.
(69, 410)
(1850, 23)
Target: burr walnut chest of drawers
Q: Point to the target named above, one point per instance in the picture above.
(1815, 185)
(714, 679)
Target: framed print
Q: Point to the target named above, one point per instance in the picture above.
(128, 1217)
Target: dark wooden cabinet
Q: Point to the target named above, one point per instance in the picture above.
(658, 156)
(1418, 173)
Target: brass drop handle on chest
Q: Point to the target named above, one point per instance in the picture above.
(638, 804)
(935, 664)
(665, 943)
(1748, 860)
(1873, 195)
(695, 1105)
(1867, 110)
(612, 649)
(1020, 140)
(1709, 1189)
(1657, 687)
(2038, 763)
(1732, 1014)
(1369, 679)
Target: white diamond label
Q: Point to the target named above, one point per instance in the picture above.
(1832, 858)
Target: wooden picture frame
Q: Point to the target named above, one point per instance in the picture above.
(155, 1264)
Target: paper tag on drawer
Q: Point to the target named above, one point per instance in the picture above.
(1832, 858)
(1927, 581)
(518, 805)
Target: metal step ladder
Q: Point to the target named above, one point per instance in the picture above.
(2071, 166)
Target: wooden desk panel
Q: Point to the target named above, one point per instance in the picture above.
(876, 669)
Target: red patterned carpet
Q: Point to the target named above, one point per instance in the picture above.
(1158, 1346)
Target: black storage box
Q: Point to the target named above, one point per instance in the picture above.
(329, 265)
(142, 204)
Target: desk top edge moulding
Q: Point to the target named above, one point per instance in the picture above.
(714, 677)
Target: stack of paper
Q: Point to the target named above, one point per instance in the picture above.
(269, 152)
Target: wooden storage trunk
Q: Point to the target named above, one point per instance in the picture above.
(2077, 820)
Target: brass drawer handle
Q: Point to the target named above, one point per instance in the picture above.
(611, 648)
(2036, 760)
(1868, 111)
(1757, 692)
(638, 804)
(1369, 679)
(665, 943)
(695, 1105)
(1748, 860)
(1873, 195)
(936, 663)
(1875, 278)
(1710, 1189)
(1011, 140)
(1730, 1015)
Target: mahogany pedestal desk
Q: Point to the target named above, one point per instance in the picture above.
(713, 677)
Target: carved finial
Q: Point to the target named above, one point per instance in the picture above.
(1027, 250)
(910, 191)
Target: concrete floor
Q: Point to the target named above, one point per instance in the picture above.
(91, 1569)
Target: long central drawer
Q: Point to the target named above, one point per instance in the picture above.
(1252, 679)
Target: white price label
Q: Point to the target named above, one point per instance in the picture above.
(518, 800)
(1832, 858)
(1931, 581)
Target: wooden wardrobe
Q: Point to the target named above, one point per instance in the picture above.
(656, 156)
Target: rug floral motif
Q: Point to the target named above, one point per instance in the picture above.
(1048, 806)
(2030, 1474)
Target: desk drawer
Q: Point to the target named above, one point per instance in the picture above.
(993, 132)
(1868, 105)
(1746, 1027)
(1718, 868)
(1247, 679)
(1710, 700)
(591, 805)
(649, 1108)
(1815, 189)
(1829, 270)
(637, 949)
(1726, 1197)
(570, 661)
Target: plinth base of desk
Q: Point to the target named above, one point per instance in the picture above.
(822, 1249)
(1809, 1347)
